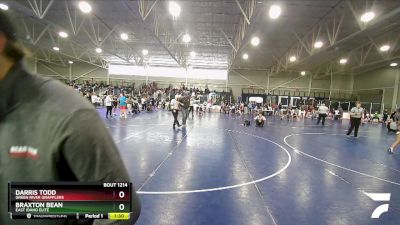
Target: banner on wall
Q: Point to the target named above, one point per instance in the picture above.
(256, 99)
(175, 72)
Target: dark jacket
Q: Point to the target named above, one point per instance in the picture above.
(185, 101)
(70, 140)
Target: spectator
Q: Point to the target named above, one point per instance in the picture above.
(115, 105)
(129, 104)
(385, 116)
(108, 103)
(123, 105)
(191, 105)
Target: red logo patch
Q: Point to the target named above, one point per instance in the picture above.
(23, 152)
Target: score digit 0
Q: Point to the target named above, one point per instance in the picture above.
(121, 194)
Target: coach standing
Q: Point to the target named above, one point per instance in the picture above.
(355, 118)
(68, 143)
(185, 100)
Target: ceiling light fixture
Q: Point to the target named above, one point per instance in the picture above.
(99, 50)
(245, 56)
(303, 73)
(368, 16)
(145, 52)
(292, 59)
(393, 64)
(71, 62)
(186, 38)
(3, 6)
(343, 61)
(384, 48)
(85, 7)
(63, 34)
(174, 9)
(55, 48)
(255, 41)
(275, 11)
(124, 36)
(318, 44)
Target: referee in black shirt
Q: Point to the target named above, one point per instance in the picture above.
(355, 119)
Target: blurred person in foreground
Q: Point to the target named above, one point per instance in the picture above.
(59, 143)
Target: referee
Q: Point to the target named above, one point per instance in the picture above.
(54, 142)
(355, 118)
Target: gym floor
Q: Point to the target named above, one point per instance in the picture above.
(217, 171)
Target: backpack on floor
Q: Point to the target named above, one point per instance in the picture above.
(246, 123)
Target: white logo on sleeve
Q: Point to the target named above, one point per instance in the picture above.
(23, 152)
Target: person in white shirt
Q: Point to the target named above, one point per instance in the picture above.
(175, 105)
(94, 99)
(143, 103)
(129, 103)
(100, 101)
(337, 114)
(260, 120)
(108, 102)
(355, 119)
(322, 113)
(191, 104)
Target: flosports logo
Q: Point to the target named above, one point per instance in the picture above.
(23, 152)
(379, 197)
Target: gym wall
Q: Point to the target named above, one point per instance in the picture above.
(240, 79)
(380, 85)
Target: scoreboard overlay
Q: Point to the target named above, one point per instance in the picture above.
(69, 200)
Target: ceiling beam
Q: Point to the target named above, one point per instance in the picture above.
(64, 54)
(243, 13)
(52, 70)
(85, 74)
(149, 11)
(368, 66)
(38, 9)
(229, 41)
(20, 8)
(242, 29)
(361, 53)
(311, 37)
(155, 30)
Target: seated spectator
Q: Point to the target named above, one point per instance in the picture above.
(376, 117)
(233, 109)
(337, 114)
(394, 121)
(260, 120)
(385, 116)
(129, 104)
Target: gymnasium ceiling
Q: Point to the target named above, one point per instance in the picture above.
(220, 32)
